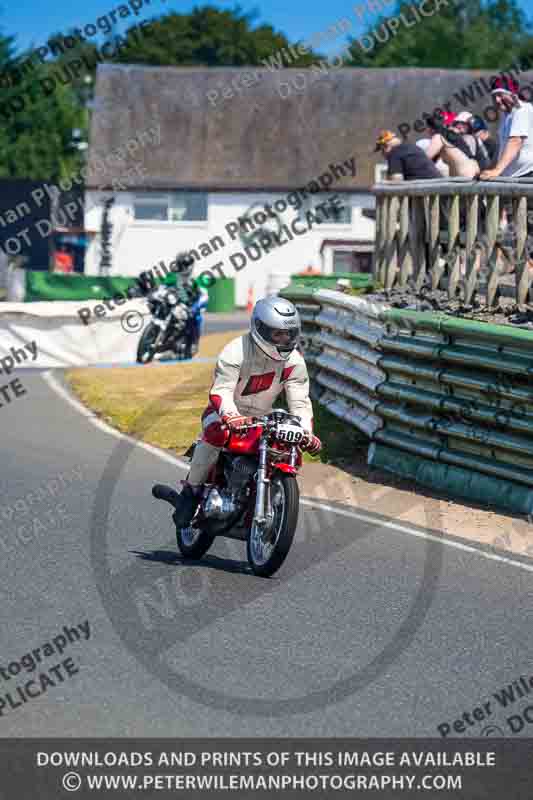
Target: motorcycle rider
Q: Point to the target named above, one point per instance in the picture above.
(146, 283)
(251, 372)
(190, 292)
(187, 291)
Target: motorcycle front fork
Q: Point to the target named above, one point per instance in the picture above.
(264, 512)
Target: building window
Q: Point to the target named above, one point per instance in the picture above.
(171, 207)
(349, 261)
(338, 215)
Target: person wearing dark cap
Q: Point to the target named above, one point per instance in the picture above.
(516, 132)
(486, 143)
(405, 161)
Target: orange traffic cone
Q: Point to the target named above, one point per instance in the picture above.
(250, 300)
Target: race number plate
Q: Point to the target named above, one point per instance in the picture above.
(289, 434)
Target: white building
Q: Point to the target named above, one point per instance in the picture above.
(178, 170)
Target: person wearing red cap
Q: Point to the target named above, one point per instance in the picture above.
(516, 132)
(457, 151)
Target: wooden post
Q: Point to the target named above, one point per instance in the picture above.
(493, 262)
(404, 243)
(384, 222)
(434, 244)
(392, 253)
(376, 260)
(454, 250)
(522, 267)
(419, 241)
(472, 262)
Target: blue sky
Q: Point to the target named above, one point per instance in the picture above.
(34, 20)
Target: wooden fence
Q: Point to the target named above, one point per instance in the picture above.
(469, 236)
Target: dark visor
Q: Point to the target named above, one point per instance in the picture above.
(279, 337)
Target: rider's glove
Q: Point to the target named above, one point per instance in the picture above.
(235, 421)
(311, 444)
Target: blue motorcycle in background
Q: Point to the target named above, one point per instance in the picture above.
(176, 326)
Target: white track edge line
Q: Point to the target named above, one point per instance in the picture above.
(419, 534)
(57, 387)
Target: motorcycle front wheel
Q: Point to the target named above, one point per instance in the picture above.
(146, 349)
(268, 546)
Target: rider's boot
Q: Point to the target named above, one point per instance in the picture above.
(189, 500)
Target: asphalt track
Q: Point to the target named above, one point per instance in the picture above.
(369, 629)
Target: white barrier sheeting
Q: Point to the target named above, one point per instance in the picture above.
(64, 341)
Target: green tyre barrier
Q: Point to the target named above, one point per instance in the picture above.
(455, 481)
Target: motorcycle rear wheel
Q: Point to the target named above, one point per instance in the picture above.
(268, 549)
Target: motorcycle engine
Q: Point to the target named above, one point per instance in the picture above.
(222, 503)
(219, 504)
(239, 471)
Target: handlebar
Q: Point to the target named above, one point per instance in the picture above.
(256, 422)
(264, 422)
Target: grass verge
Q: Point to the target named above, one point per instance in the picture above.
(163, 405)
(158, 404)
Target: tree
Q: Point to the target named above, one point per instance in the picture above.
(35, 128)
(466, 34)
(208, 37)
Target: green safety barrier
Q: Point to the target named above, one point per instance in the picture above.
(299, 294)
(454, 480)
(456, 402)
(502, 335)
(44, 286)
(48, 286)
(222, 296)
(357, 280)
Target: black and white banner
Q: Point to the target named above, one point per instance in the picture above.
(249, 768)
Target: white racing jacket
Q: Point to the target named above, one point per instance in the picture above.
(248, 382)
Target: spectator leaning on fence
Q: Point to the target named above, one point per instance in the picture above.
(454, 147)
(424, 143)
(516, 132)
(516, 146)
(480, 130)
(405, 161)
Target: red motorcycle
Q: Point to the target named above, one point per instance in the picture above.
(251, 494)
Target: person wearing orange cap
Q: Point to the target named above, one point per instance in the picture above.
(405, 161)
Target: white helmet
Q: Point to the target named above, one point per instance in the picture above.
(275, 327)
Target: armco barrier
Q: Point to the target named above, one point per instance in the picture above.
(446, 402)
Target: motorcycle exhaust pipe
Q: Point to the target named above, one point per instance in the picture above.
(166, 493)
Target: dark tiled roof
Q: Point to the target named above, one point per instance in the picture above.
(257, 139)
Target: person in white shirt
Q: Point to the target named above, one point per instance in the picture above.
(515, 159)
